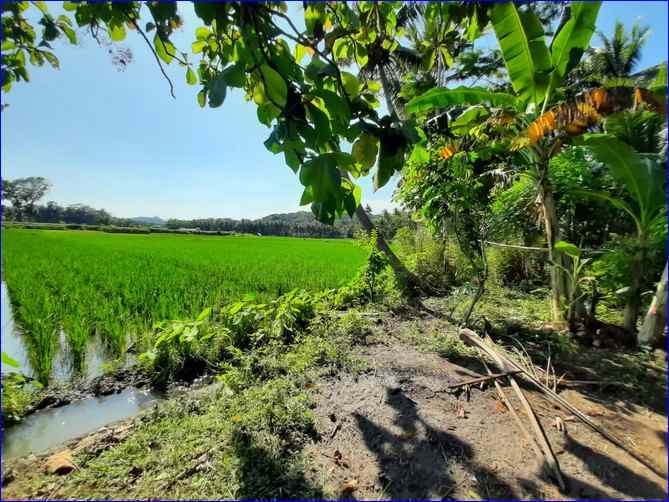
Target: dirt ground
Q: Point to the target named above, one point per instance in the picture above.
(391, 433)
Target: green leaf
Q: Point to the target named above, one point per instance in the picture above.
(321, 124)
(198, 46)
(364, 151)
(292, 159)
(641, 175)
(361, 55)
(351, 84)
(51, 58)
(204, 314)
(202, 98)
(322, 175)
(234, 76)
(276, 85)
(341, 50)
(300, 52)
(42, 6)
(521, 39)
(70, 6)
(6, 359)
(391, 160)
(660, 82)
(217, 91)
(573, 39)
(202, 33)
(307, 197)
(164, 49)
(116, 32)
(191, 79)
(69, 33)
(442, 97)
(419, 155)
(567, 248)
(463, 123)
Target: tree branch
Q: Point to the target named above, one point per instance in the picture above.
(148, 42)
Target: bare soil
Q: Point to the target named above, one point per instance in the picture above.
(393, 433)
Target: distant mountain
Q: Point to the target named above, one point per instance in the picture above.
(298, 218)
(149, 220)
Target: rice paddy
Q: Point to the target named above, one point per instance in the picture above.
(79, 285)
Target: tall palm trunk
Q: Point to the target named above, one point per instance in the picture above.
(656, 318)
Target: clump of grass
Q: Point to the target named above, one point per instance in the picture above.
(116, 286)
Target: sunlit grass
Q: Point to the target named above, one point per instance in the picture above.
(115, 286)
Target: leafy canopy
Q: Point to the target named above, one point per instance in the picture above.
(313, 107)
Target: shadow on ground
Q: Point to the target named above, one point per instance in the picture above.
(421, 469)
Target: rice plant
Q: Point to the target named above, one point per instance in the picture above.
(116, 286)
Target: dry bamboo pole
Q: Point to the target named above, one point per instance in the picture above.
(476, 340)
(473, 339)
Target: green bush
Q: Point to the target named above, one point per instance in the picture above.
(517, 268)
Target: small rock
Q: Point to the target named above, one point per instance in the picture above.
(60, 463)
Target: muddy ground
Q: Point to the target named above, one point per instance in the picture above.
(392, 431)
(397, 436)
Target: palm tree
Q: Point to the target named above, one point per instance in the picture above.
(620, 53)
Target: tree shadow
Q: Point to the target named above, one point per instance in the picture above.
(265, 474)
(422, 468)
(613, 474)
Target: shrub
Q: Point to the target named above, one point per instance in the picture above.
(517, 268)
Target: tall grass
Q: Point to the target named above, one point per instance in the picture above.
(116, 286)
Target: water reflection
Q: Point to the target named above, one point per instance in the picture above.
(48, 428)
(14, 344)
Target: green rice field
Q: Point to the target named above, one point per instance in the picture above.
(83, 284)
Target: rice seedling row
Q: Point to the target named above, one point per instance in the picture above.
(78, 285)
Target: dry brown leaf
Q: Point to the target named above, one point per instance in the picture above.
(500, 407)
(349, 486)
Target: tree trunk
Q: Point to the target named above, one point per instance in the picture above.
(388, 95)
(656, 319)
(633, 303)
(558, 280)
(483, 277)
(409, 280)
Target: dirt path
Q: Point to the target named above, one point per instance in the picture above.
(388, 434)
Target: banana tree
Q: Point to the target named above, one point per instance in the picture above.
(535, 71)
(643, 179)
(656, 318)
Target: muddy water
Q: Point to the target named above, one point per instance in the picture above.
(11, 341)
(48, 428)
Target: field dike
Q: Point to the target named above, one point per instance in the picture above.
(351, 403)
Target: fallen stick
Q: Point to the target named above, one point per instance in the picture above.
(474, 381)
(468, 336)
(539, 432)
(514, 414)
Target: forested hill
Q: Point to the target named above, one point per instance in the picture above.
(300, 223)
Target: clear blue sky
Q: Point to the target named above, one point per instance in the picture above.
(117, 140)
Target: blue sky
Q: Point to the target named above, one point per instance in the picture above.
(117, 140)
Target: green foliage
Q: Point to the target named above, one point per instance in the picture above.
(17, 391)
(641, 175)
(521, 39)
(443, 98)
(436, 261)
(573, 39)
(115, 286)
(370, 283)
